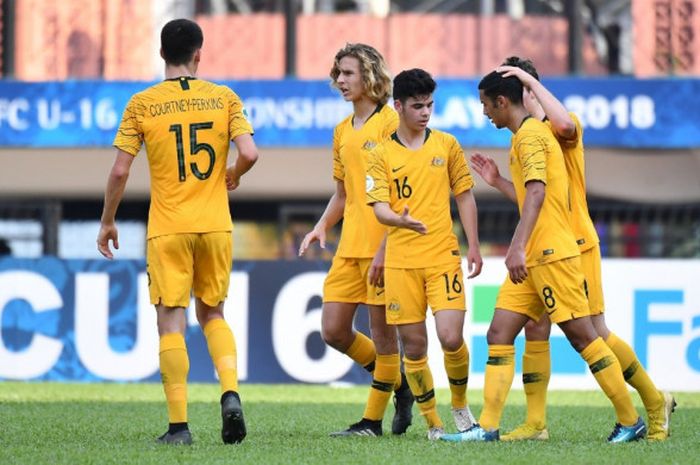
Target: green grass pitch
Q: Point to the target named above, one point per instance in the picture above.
(48, 423)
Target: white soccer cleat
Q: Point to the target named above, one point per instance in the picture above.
(435, 433)
(463, 418)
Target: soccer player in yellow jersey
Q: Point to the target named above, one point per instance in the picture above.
(416, 170)
(544, 268)
(544, 106)
(187, 125)
(356, 275)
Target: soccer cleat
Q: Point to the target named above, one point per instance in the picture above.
(660, 419)
(183, 437)
(526, 432)
(463, 418)
(475, 433)
(435, 433)
(232, 423)
(628, 433)
(363, 427)
(403, 403)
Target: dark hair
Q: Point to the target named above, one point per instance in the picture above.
(413, 83)
(523, 63)
(494, 84)
(179, 39)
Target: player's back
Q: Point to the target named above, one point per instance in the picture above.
(187, 125)
(584, 230)
(535, 155)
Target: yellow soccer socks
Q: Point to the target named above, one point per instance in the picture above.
(222, 349)
(174, 367)
(500, 370)
(634, 373)
(362, 351)
(386, 372)
(457, 368)
(606, 370)
(420, 379)
(537, 367)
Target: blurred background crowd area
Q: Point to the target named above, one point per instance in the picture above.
(271, 39)
(56, 40)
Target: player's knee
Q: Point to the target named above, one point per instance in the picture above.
(496, 335)
(337, 337)
(538, 330)
(451, 340)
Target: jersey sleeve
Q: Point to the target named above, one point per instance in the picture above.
(457, 169)
(338, 167)
(238, 123)
(377, 182)
(578, 136)
(129, 136)
(532, 150)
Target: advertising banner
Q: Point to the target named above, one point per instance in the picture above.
(90, 320)
(615, 112)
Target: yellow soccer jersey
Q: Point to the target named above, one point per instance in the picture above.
(422, 180)
(361, 233)
(535, 155)
(584, 231)
(187, 125)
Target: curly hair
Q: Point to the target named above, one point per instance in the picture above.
(374, 70)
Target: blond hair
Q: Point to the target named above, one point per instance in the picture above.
(373, 68)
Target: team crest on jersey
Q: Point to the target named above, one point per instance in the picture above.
(394, 306)
(369, 145)
(437, 162)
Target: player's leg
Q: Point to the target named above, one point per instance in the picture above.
(658, 405)
(562, 285)
(536, 374)
(169, 265)
(445, 289)
(343, 289)
(212, 271)
(405, 307)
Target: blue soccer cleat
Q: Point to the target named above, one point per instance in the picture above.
(628, 433)
(475, 433)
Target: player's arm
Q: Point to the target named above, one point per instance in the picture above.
(247, 156)
(388, 217)
(564, 127)
(116, 183)
(488, 170)
(532, 204)
(466, 206)
(331, 215)
(376, 269)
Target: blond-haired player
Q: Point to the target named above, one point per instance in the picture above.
(416, 170)
(187, 125)
(544, 106)
(361, 75)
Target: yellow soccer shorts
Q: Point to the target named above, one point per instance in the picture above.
(590, 264)
(348, 281)
(557, 288)
(178, 264)
(409, 291)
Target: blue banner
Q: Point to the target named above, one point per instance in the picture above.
(615, 112)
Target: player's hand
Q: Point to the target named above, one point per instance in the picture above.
(486, 168)
(474, 262)
(515, 262)
(376, 269)
(316, 234)
(521, 74)
(408, 222)
(232, 181)
(108, 232)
